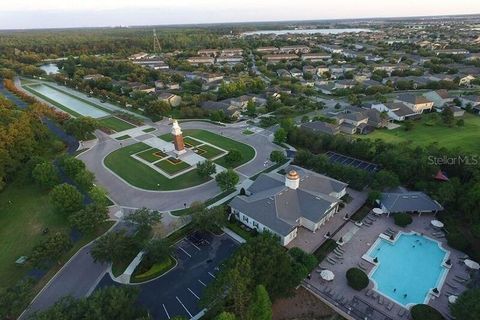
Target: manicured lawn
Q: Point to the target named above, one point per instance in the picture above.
(149, 130)
(207, 151)
(142, 176)
(220, 141)
(115, 124)
(150, 155)
(465, 138)
(191, 141)
(172, 167)
(155, 271)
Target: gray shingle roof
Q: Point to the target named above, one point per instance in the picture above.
(409, 201)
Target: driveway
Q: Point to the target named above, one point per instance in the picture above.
(128, 196)
(177, 292)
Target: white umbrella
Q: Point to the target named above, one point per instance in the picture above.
(436, 223)
(452, 299)
(377, 211)
(472, 264)
(327, 275)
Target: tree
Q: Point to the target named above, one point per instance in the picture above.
(424, 311)
(211, 219)
(72, 166)
(447, 116)
(251, 108)
(81, 127)
(277, 156)
(114, 302)
(460, 123)
(84, 179)
(385, 179)
(233, 157)
(467, 307)
(357, 279)
(408, 125)
(88, 219)
(114, 247)
(225, 316)
(280, 136)
(45, 174)
(14, 300)
(51, 249)
(206, 168)
(66, 199)
(157, 250)
(144, 217)
(402, 219)
(227, 180)
(260, 306)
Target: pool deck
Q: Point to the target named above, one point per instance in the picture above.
(360, 306)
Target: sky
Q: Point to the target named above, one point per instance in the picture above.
(26, 14)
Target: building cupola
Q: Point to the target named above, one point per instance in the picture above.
(292, 180)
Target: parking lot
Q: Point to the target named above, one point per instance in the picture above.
(352, 162)
(177, 293)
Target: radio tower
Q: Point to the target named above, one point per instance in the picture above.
(156, 43)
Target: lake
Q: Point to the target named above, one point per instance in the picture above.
(50, 68)
(306, 31)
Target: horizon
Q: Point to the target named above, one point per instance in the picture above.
(55, 14)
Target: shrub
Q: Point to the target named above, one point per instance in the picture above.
(458, 241)
(307, 260)
(402, 219)
(357, 279)
(423, 311)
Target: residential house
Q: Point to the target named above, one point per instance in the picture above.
(282, 204)
(471, 101)
(294, 49)
(439, 97)
(201, 60)
(138, 56)
(396, 111)
(331, 48)
(274, 58)
(283, 73)
(321, 127)
(93, 77)
(296, 73)
(316, 57)
(232, 52)
(267, 49)
(172, 99)
(226, 107)
(451, 52)
(207, 52)
(229, 59)
(417, 103)
(466, 80)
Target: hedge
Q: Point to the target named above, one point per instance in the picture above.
(424, 311)
(357, 279)
(402, 219)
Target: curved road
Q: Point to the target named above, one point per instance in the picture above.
(126, 195)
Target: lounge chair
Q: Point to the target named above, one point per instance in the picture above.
(380, 300)
(365, 222)
(375, 295)
(361, 266)
(401, 312)
(462, 278)
(459, 280)
(451, 285)
(331, 260)
(368, 292)
(390, 306)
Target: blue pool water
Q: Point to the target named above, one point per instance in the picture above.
(412, 266)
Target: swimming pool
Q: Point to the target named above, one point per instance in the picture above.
(408, 268)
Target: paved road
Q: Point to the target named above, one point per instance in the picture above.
(128, 196)
(177, 293)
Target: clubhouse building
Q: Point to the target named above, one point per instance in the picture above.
(281, 204)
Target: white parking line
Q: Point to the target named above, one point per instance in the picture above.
(211, 275)
(193, 244)
(203, 284)
(184, 307)
(166, 312)
(188, 254)
(193, 293)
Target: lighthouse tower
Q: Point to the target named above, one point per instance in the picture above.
(178, 138)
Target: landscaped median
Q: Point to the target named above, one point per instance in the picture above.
(142, 176)
(155, 271)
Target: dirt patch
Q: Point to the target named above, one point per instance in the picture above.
(303, 306)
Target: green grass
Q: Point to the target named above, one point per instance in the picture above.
(149, 130)
(220, 141)
(172, 168)
(465, 138)
(124, 137)
(207, 151)
(115, 124)
(191, 141)
(149, 155)
(25, 212)
(247, 132)
(155, 271)
(186, 211)
(236, 226)
(142, 176)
